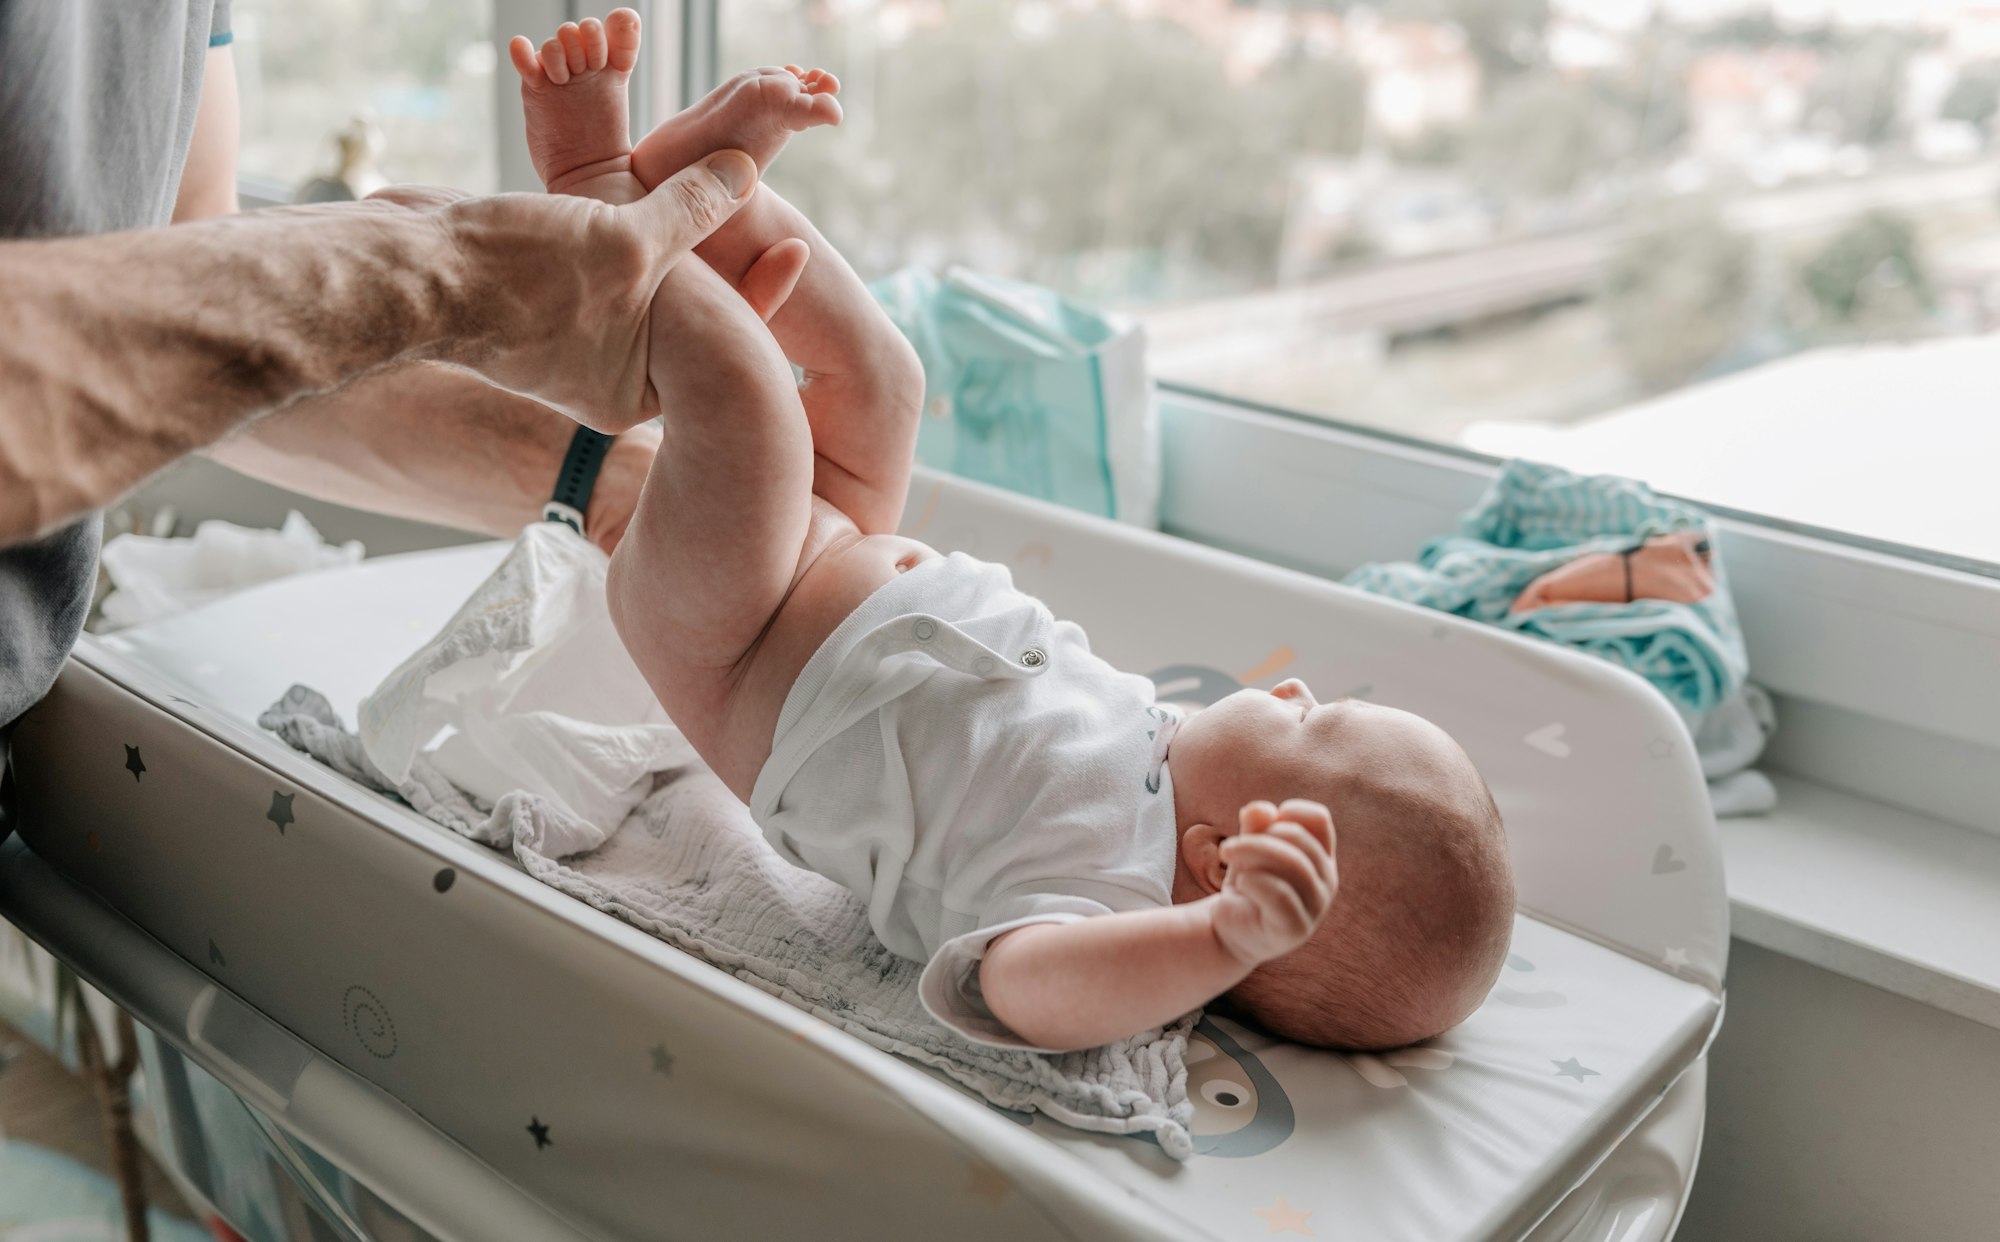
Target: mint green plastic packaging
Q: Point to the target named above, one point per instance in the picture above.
(1030, 391)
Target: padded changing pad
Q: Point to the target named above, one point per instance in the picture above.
(1462, 1138)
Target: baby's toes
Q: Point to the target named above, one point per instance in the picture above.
(591, 31)
(821, 110)
(555, 63)
(571, 37)
(522, 53)
(621, 33)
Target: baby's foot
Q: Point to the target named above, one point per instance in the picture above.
(573, 91)
(755, 112)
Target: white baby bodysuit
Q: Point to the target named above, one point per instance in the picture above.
(962, 763)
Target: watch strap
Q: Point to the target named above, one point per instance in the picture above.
(577, 478)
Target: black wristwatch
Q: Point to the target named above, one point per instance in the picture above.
(576, 478)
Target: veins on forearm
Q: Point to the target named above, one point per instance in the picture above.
(126, 351)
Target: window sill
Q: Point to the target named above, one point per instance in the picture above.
(1884, 666)
(1897, 900)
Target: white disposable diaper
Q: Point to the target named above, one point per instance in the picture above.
(532, 689)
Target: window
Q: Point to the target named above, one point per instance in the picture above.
(419, 71)
(1748, 252)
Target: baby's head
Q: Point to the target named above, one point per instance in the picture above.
(1423, 915)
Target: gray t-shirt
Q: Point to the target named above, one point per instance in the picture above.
(99, 99)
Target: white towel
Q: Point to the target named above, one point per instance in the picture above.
(688, 865)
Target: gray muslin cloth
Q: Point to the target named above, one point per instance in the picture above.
(688, 865)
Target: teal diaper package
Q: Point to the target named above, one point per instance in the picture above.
(1030, 391)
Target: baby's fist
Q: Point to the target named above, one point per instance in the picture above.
(1280, 880)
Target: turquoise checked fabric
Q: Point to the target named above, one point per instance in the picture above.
(1535, 518)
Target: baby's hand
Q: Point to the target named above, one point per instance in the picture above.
(1280, 880)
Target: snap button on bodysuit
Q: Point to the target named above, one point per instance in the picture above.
(924, 630)
(1033, 657)
(983, 665)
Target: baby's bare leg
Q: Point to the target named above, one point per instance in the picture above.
(722, 520)
(864, 388)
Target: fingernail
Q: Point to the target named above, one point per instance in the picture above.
(735, 170)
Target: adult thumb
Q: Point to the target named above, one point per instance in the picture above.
(688, 206)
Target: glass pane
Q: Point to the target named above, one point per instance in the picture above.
(420, 70)
(1751, 254)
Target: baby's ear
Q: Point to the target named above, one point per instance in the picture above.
(1201, 850)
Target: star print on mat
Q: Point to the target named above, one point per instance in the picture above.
(663, 1061)
(281, 810)
(1573, 1068)
(133, 763)
(1282, 1217)
(1676, 958)
(540, 1129)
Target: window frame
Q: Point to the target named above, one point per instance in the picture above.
(1885, 659)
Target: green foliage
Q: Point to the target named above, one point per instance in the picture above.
(1322, 102)
(1545, 135)
(1858, 95)
(1676, 292)
(345, 41)
(1440, 146)
(1108, 157)
(1654, 96)
(1869, 279)
(1760, 30)
(1974, 95)
(1507, 37)
(1744, 30)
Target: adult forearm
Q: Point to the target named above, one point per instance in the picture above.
(435, 444)
(1077, 985)
(122, 352)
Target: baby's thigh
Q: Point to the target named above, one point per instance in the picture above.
(720, 525)
(729, 707)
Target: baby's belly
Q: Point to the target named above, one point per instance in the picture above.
(842, 568)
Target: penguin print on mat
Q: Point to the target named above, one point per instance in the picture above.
(1239, 1107)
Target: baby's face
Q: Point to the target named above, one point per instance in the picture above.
(1284, 743)
(1252, 734)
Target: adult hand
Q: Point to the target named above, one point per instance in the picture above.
(551, 295)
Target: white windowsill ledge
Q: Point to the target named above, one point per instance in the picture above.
(1906, 903)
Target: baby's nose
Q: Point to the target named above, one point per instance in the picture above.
(1291, 688)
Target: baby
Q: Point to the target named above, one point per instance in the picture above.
(1074, 862)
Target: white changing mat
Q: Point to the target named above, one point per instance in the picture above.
(1458, 1140)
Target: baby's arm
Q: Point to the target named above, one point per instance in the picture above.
(1061, 986)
